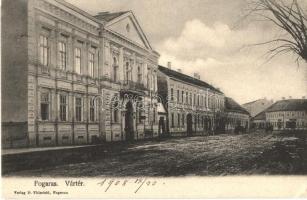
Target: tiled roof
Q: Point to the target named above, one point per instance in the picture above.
(78, 10)
(186, 78)
(251, 102)
(232, 106)
(260, 116)
(108, 16)
(288, 105)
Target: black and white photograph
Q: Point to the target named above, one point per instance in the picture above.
(145, 89)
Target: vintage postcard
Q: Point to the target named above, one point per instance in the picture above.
(153, 99)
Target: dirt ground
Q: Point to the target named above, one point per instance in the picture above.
(248, 154)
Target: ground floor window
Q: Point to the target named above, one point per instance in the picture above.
(78, 110)
(63, 107)
(45, 105)
(92, 110)
(115, 112)
(172, 120)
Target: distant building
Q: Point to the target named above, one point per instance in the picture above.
(235, 116)
(193, 106)
(257, 106)
(290, 114)
(259, 121)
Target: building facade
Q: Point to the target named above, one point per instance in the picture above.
(290, 114)
(69, 78)
(192, 106)
(237, 119)
(257, 106)
(259, 121)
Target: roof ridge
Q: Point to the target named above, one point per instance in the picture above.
(190, 77)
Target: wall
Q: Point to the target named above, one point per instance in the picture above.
(279, 119)
(14, 70)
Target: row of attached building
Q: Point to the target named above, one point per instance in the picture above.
(70, 78)
(286, 114)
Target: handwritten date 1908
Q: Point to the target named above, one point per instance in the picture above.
(138, 183)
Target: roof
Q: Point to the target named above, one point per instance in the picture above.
(108, 16)
(251, 102)
(232, 106)
(260, 116)
(288, 105)
(78, 10)
(186, 78)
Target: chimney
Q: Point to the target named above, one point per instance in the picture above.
(290, 97)
(179, 70)
(303, 97)
(196, 75)
(283, 98)
(169, 65)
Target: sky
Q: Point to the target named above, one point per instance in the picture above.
(214, 39)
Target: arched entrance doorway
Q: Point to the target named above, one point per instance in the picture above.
(129, 122)
(189, 125)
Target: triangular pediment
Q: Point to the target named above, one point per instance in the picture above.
(127, 26)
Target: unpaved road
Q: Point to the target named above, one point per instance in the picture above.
(248, 154)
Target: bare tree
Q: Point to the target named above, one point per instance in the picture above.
(290, 18)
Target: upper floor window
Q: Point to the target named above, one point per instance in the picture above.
(44, 50)
(45, 105)
(202, 100)
(186, 97)
(128, 71)
(154, 81)
(172, 94)
(148, 78)
(115, 68)
(139, 74)
(78, 60)
(78, 109)
(178, 97)
(182, 96)
(91, 62)
(63, 107)
(62, 55)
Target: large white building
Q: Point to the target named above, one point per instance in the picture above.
(70, 78)
(289, 114)
(193, 107)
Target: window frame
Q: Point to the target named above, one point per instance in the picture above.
(78, 109)
(48, 103)
(78, 69)
(44, 49)
(91, 63)
(63, 106)
(92, 109)
(62, 52)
